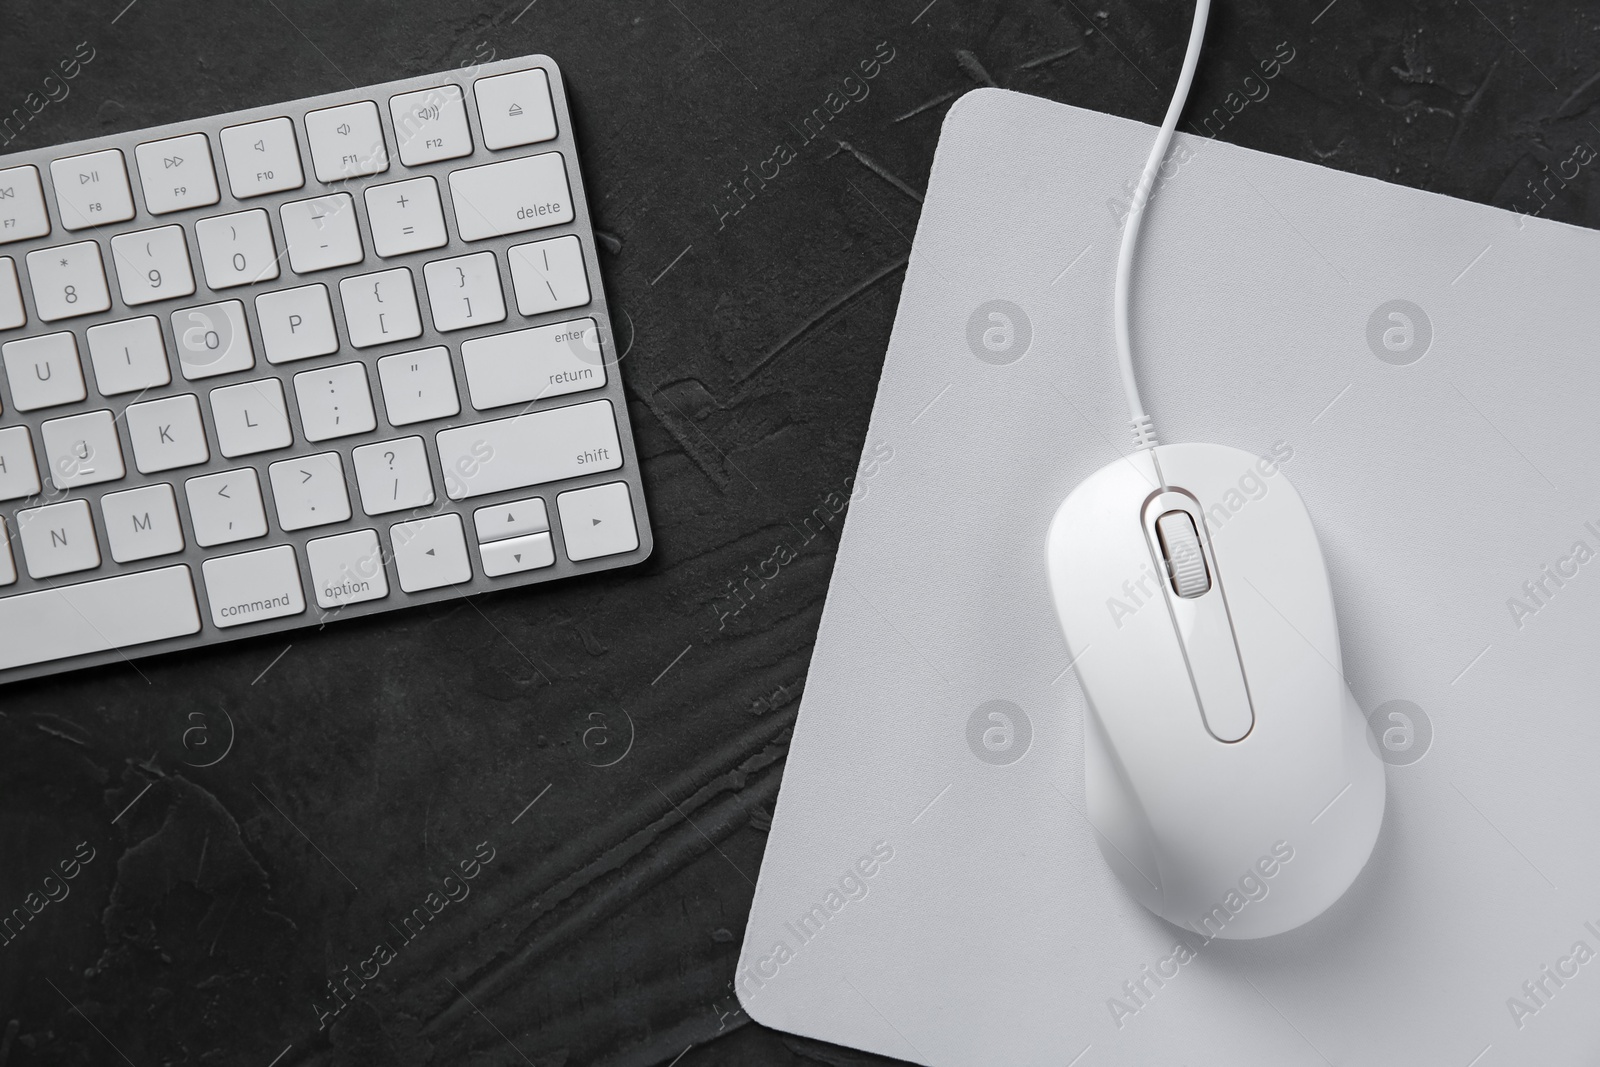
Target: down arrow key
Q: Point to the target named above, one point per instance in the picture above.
(518, 554)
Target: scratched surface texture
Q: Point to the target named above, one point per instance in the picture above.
(532, 820)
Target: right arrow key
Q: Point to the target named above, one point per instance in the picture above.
(598, 521)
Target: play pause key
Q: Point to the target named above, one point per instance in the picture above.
(597, 521)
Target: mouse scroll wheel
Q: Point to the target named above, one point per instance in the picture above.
(1185, 559)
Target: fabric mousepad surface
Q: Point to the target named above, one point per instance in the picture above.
(1421, 369)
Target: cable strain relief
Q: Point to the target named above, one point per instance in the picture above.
(1144, 432)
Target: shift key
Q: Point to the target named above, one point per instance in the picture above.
(531, 449)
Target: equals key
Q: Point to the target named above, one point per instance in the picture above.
(406, 217)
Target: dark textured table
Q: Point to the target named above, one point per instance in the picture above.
(538, 815)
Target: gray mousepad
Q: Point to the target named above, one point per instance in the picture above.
(1426, 371)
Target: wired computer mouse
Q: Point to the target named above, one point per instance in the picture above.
(1230, 776)
(1229, 773)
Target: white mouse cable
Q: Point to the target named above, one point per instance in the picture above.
(1144, 432)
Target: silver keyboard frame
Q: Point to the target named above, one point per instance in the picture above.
(192, 555)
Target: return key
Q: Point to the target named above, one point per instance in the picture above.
(545, 361)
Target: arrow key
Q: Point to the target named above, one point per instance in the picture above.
(597, 521)
(518, 554)
(430, 553)
(501, 521)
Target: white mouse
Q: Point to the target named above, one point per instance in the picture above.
(1230, 775)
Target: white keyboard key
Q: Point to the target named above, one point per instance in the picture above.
(549, 275)
(128, 356)
(212, 339)
(334, 402)
(429, 553)
(347, 569)
(310, 491)
(58, 539)
(251, 417)
(393, 476)
(75, 620)
(346, 141)
(418, 386)
(430, 125)
(22, 210)
(262, 157)
(510, 197)
(82, 450)
(237, 249)
(500, 521)
(92, 190)
(465, 291)
(8, 567)
(142, 523)
(43, 371)
(296, 323)
(379, 308)
(321, 233)
(12, 313)
(152, 264)
(405, 217)
(545, 361)
(597, 521)
(176, 174)
(68, 280)
(253, 586)
(515, 109)
(19, 471)
(226, 507)
(517, 555)
(541, 446)
(167, 434)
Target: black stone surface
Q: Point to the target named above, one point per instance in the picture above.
(644, 720)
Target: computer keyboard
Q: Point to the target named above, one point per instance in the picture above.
(300, 362)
